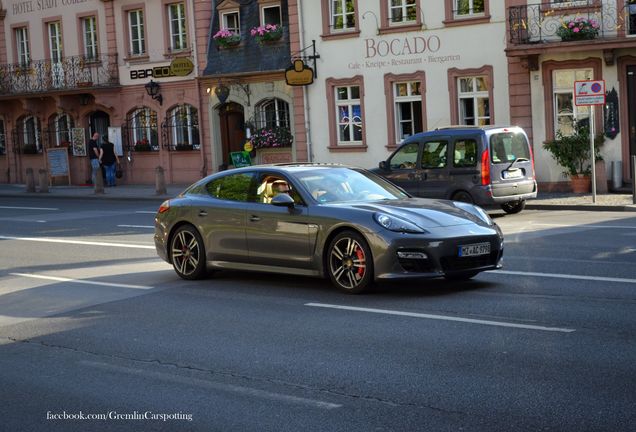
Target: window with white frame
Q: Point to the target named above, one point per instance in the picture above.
(402, 11)
(142, 124)
(62, 125)
(408, 109)
(566, 114)
(22, 45)
(183, 128)
(464, 8)
(343, 14)
(89, 32)
(136, 29)
(349, 115)
(55, 41)
(177, 21)
(473, 101)
(272, 113)
(271, 14)
(231, 21)
(29, 133)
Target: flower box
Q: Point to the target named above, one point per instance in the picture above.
(225, 38)
(267, 33)
(272, 137)
(578, 29)
(183, 147)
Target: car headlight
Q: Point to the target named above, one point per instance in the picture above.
(475, 210)
(396, 224)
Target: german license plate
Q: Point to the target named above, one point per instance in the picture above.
(512, 174)
(474, 249)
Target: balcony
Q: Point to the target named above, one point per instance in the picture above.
(540, 23)
(70, 73)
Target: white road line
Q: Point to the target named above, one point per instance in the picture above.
(241, 390)
(566, 276)
(442, 318)
(80, 281)
(79, 242)
(584, 226)
(146, 212)
(29, 208)
(135, 226)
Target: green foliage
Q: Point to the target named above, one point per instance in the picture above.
(572, 152)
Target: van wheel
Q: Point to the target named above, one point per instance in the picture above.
(463, 196)
(513, 207)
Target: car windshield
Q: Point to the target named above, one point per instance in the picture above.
(507, 147)
(328, 185)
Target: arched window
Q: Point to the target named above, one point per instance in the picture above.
(28, 138)
(3, 138)
(59, 133)
(271, 113)
(142, 131)
(181, 128)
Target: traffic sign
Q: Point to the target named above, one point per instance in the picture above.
(589, 92)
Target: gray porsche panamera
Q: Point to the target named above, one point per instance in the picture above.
(334, 221)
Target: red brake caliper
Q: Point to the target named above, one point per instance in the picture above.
(360, 255)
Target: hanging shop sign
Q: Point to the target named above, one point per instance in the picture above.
(299, 74)
(180, 66)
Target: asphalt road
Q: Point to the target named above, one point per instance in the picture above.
(96, 333)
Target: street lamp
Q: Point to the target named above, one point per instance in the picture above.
(152, 88)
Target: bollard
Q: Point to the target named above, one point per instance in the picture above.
(30, 180)
(99, 182)
(44, 180)
(160, 182)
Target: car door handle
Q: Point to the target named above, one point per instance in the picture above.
(203, 213)
(254, 218)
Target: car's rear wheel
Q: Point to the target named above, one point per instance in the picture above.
(349, 262)
(463, 196)
(461, 276)
(187, 253)
(512, 207)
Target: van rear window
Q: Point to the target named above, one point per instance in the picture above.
(506, 147)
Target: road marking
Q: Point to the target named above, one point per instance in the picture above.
(29, 208)
(135, 226)
(146, 212)
(584, 226)
(566, 276)
(79, 242)
(442, 317)
(80, 281)
(245, 391)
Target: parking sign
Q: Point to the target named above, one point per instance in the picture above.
(589, 92)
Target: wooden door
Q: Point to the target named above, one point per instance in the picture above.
(631, 112)
(232, 130)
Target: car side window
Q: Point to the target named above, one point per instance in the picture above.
(405, 157)
(434, 154)
(465, 153)
(271, 185)
(234, 187)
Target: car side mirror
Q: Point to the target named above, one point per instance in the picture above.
(383, 166)
(283, 200)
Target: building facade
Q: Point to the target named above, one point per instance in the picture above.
(123, 68)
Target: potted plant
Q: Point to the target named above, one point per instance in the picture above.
(267, 33)
(225, 38)
(572, 152)
(272, 137)
(183, 147)
(578, 29)
(143, 145)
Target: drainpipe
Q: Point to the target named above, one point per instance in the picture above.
(301, 37)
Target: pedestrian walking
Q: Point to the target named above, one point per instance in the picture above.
(93, 154)
(109, 160)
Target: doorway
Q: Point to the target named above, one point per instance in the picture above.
(631, 113)
(232, 121)
(98, 121)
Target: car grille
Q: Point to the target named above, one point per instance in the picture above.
(416, 265)
(453, 264)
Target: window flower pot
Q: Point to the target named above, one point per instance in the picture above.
(267, 34)
(225, 38)
(578, 29)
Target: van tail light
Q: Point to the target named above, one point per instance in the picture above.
(534, 173)
(485, 168)
(164, 207)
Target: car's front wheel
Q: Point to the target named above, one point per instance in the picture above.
(512, 207)
(187, 253)
(349, 262)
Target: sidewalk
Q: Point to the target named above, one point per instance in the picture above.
(546, 201)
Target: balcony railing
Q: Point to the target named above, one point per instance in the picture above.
(70, 73)
(540, 23)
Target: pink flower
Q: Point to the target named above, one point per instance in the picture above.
(576, 30)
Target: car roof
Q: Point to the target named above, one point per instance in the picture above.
(293, 167)
(459, 129)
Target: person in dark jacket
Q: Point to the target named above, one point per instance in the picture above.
(109, 160)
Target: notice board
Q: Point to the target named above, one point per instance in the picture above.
(57, 161)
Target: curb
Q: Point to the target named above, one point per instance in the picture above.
(582, 207)
(104, 196)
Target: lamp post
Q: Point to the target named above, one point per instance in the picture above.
(152, 88)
